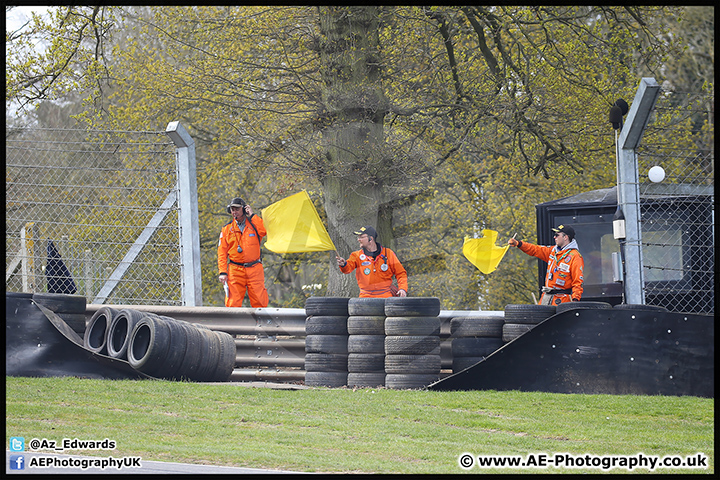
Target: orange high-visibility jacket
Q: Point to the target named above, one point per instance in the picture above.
(564, 269)
(374, 276)
(231, 237)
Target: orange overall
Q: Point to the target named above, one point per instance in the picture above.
(374, 276)
(244, 269)
(564, 271)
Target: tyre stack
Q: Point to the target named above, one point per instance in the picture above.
(71, 308)
(474, 337)
(522, 318)
(326, 342)
(163, 347)
(412, 342)
(160, 346)
(366, 342)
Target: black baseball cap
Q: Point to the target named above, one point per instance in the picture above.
(236, 202)
(369, 230)
(569, 231)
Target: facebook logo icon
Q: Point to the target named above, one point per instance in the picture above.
(17, 462)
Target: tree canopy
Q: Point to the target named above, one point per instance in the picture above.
(431, 123)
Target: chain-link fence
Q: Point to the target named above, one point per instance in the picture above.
(678, 211)
(92, 213)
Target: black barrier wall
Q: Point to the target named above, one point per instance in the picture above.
(610, 351)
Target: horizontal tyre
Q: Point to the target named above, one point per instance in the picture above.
(326, 344)
(365, 362)
(412, 345)
(366, 324)
(409, 380)
(475, 346)
(326, 306)
(412, 326)
(582, 305)
(412, 364)
(326, 362)
(528, 313)
(366, 306)
(326, 379)
(461, 363)
(476, 326)
(412, 307)
(326, 325)
(360, 379)
(366, 344)
(513, 330)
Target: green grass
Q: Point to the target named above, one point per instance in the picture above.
(341, 430)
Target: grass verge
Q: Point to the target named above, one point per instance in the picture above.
(361, 431)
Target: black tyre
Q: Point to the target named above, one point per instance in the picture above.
(149, 345)
(366, 344)
(581, 305)
(326, 306)
(365, 363)
(412, 364)
(326, 379)
(366, 379)
(476, 326)
(412, 307)
(61, 303)
(209, 356)
(530, 314)
(326, 344)
(412, 345)
(366, 307)
(95, 338)
(326, 325)
(412, 326)
(475, 346)
(513, 330)
(366, 324)
(191, 361)
(461, 363)
(630, 306)
(170, 365)
(326, 362)
(226, 360)
(409, 380)
(118, 334)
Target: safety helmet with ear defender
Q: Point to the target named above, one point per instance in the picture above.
(236, 202)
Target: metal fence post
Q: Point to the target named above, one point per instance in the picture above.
(188, 214)
(629, 186)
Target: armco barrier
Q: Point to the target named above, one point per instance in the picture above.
(270, 342)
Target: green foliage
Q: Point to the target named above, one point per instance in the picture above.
(431, 122)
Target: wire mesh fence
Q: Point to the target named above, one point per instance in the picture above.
(678, 207)
(92, 213)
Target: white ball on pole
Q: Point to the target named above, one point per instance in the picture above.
(656, 174)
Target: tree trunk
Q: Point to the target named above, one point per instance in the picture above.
(353, 110)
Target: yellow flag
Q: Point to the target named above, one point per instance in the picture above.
(483, 253)
(293, 225)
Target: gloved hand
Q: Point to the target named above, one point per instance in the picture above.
(546, 289)
(513, 243)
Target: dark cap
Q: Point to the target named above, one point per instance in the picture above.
(236, 202)
(369, 230)
(567, 230)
